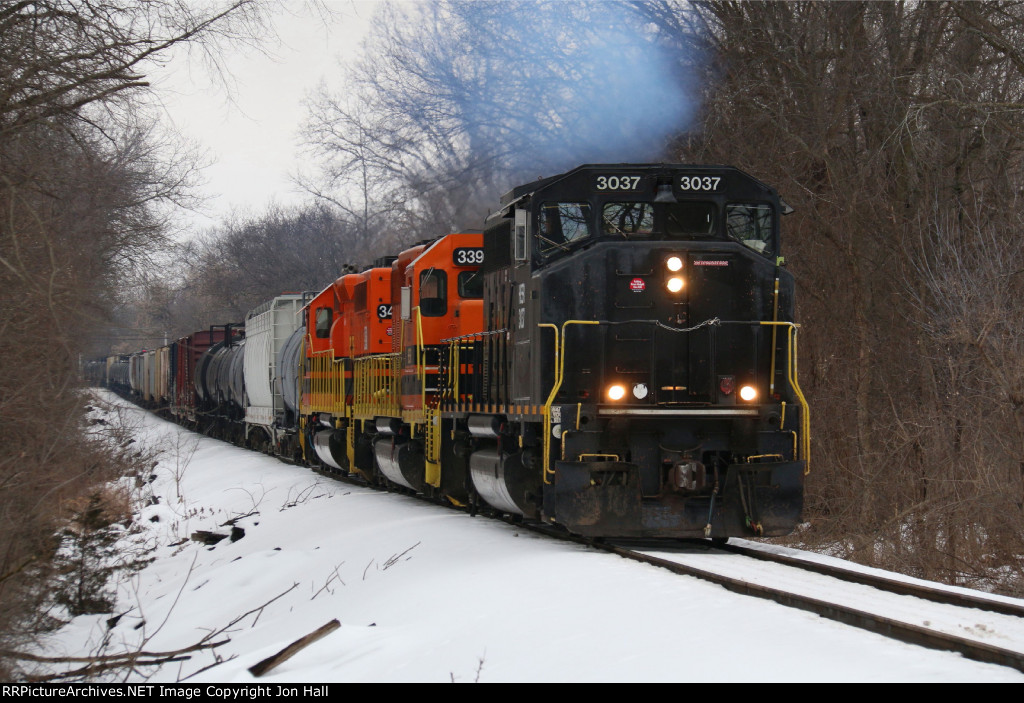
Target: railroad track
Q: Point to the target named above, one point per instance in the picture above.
(866, 609)
(674, 555)
(903, 588)
(678, 556)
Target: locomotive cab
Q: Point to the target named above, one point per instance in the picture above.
(650, 321)
(322, 397)
(435, 290)
(442, 302)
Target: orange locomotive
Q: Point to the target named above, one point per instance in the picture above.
(374, 346)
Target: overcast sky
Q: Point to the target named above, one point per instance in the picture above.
(249, 133)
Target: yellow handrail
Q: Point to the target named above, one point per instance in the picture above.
(791, 374)
(374, 386)
(775, 318)
(421, 358)
(559, 374)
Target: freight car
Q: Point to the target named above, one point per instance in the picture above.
(615, 353)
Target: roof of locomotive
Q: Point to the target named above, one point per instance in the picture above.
(432, 243)
(661, 169)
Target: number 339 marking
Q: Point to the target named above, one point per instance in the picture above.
(468, 256)
(699, 182)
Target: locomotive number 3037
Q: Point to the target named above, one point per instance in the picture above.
(699, 182)
(618, 182)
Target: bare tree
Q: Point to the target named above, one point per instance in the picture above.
(219, 276)
(866, 115)
(454, 101)
(82, 182)
(59, 56)
(969, 498)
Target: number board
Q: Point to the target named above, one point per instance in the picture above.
(699, 184)
(621, 183)
(468, 256)
(384, 312)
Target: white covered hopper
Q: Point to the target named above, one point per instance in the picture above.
(267, 328)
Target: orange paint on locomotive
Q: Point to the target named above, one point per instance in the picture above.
(439, 280)
(368, 313)
(318, 389)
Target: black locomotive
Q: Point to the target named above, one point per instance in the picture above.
(641, 355)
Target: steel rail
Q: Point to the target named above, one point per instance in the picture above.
(872, 622)
(903, 588)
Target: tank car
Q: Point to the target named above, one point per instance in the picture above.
(185, 357)
(219, 384)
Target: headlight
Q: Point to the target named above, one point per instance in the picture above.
(674, 264)
(748, 393)
(616, 392)
(675, 284)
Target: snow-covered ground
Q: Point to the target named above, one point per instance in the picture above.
(428, 594)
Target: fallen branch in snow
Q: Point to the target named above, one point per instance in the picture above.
(302, 496)
(396, 557)
(258, 610)
(108, 662)
(235, 519)
(210, 538)
(217, 661)
(293, 649)
(391, 561)
(331, 578)
(130, 661)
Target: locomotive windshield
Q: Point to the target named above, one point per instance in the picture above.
(628, 219)
(471, 285)
(685, 219)
(690, 219)
(643, 206)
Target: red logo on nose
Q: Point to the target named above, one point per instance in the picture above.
(637, 285)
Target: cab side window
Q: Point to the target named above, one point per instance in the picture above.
(751, 225)
(562, 224)
(323, 322)
(433, 293)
